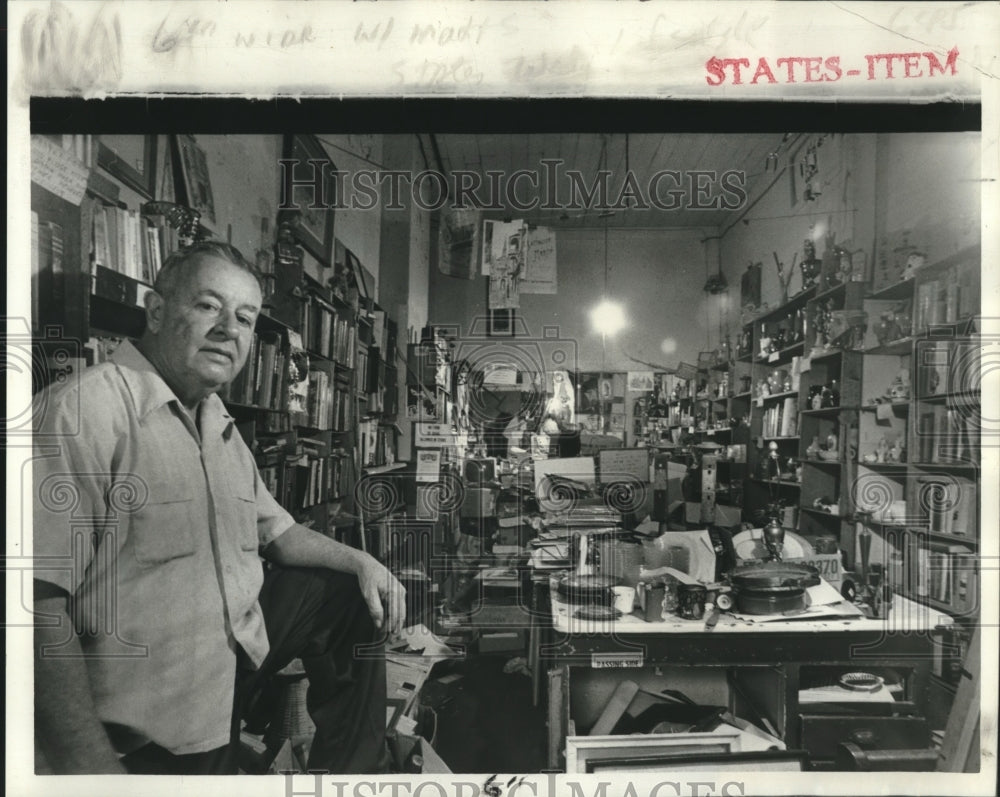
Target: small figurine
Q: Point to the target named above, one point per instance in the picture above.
(882, 450)
(893, 454)
(813, 451)
(899, 390)
(765, 342)
(825, 504)
(810, 265)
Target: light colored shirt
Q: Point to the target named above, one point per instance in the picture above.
(152, 525)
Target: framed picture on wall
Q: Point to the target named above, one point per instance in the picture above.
(130, 159)
(312, 215)
(193, 169)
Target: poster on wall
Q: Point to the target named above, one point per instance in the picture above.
(640, 381)
(458, 242)
(504, 247)
(561, 402)
(197, 183)
(540, 262)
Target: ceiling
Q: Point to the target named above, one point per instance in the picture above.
(642, 155)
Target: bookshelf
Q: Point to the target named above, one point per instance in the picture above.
(919, 448)
(298, 402)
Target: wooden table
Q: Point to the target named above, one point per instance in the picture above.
(901, 640)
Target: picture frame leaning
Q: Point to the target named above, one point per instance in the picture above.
(312, 216)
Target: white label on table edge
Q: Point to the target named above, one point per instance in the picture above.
(620, 660)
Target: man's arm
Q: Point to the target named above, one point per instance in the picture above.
(303, 547)
(66, 725)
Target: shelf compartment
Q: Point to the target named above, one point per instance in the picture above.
(895, 291)
(894, 347)
(796, 302)
(776, 396)
(781, 357)
(828, 411)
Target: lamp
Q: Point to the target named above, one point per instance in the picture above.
(607, 317)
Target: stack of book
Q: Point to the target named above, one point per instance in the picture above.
(129, 243)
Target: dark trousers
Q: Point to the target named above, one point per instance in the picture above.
(319, 617)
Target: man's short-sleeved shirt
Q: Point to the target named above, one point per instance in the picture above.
(152, 525)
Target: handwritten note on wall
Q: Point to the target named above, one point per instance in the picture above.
(58, 170)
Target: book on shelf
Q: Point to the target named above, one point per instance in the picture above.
(949, 577)
(130, 243)
(951, 504)
(781, 419)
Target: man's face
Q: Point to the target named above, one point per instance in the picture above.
(204, 327)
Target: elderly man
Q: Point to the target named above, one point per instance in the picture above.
(149, 516)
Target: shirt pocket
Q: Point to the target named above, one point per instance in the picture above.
(164, 528)
(244, 503)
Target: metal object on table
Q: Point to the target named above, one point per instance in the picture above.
(772, 587)
(774, 538)
(587, 589)
(653, 600)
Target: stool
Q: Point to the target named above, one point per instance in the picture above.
(290, 720)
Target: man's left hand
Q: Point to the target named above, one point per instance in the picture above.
(385, 596)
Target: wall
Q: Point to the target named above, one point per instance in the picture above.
(872, 184)
(358, 230)
(656, 274)
(931, 184)
(404, 251)
(242, 196)
(775, 222)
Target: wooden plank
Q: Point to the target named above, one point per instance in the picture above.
(962, 731)
(615, 707)
(558, 709)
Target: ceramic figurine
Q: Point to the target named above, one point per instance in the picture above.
(765, 342)
(813, 451)
(893, 453)
(882, 450)
(810, 264)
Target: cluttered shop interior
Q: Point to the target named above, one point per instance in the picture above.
(672, 439)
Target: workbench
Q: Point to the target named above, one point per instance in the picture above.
(763, 665)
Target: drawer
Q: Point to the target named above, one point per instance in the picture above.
(822, 734)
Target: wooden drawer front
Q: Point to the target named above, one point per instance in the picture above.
(821, 735)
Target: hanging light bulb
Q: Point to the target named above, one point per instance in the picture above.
(607, 317)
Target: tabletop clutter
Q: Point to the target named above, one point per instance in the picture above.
(605, 573)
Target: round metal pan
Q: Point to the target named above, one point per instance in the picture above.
(587, 589)
(774, 578)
